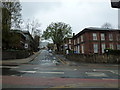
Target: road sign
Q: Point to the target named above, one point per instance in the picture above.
(66, 46)
(26, 45)
(115, 3)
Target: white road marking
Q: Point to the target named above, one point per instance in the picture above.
(97, 74)
(36, 68)
(115, 72)
(29, 71)
(100, 70)
(112, 71)
(75, 69)
(52, 72)
(8, 67)
(13, 75)
(94, 70)
(108, 79)
(46, 60)
(104, 70)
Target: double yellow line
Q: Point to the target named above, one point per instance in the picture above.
(62, 61)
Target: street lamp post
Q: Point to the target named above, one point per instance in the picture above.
(107, 51)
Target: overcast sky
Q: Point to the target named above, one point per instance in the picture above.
(78, 13)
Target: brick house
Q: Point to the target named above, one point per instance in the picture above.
(24, 40)
(18, 39)
(95, 40)
(68, 43)
(30, 42)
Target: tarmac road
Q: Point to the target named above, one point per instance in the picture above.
(48, 71)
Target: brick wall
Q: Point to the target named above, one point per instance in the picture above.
(6, 55)
(94, 58)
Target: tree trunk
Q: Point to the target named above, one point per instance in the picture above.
(58, 47)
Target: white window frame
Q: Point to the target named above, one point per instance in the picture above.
(117, 37)
(74, 42)
(102, 36)
(95, 47)
(111, 46)
(69, 41)
(78, 49)
(78, 40)
(103, 47)
(81, 38)
(94, 36)
(110, 36)
(118, 46)
(70, 47)
(82, 49)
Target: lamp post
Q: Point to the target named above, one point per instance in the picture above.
(107, 51)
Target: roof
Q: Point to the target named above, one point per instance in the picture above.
(104, 29)
(18, 31)
(24, 33)
(89, 29)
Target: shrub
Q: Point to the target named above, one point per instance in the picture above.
(112, 52)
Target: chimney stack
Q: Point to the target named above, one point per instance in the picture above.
(73, 34)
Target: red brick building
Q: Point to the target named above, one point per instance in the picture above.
(68, 43)
(95, 40)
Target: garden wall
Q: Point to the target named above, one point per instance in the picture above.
(94, 58)
(15, 54)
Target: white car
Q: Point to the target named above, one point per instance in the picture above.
(50, 51)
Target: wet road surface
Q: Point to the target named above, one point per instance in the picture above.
(47, 71)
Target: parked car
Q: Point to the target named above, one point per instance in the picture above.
(50, 51)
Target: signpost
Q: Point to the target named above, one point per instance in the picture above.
(26, 45)
(66, 46)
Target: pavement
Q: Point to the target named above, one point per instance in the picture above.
(65, 61)
(19, 61)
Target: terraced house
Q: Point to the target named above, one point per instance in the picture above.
(95, 40)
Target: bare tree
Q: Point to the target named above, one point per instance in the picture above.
(33, 26)
(107, 25)
(27, 26)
